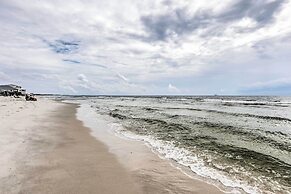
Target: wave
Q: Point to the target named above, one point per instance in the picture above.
(265, 117)
(217, 172)
(157, 125)
(236, 114)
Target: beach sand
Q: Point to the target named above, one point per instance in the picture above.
(45, 149)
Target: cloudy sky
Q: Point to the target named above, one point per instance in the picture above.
(147, 47)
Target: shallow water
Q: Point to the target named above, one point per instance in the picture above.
(242, 142)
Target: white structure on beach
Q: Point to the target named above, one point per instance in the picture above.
(11, 88)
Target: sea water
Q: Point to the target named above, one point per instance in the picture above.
(242, 142)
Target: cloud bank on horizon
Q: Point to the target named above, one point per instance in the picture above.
(147, 47)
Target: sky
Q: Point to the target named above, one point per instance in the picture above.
(147, 47)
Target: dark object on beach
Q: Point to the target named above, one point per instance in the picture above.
(30, 97)
(10, 93)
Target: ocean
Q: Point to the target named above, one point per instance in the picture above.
(240, 142)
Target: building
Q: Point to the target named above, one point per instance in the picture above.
(11, 89)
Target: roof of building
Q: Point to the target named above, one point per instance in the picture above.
(9, 87)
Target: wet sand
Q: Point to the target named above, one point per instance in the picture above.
(45, 149)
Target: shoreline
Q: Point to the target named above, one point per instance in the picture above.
(140, 158)
(54, 152)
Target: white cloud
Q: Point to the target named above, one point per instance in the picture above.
(270, 83)
(82, 78)
(173, 89)
(136, 50)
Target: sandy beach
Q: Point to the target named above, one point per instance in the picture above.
(45, 149)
